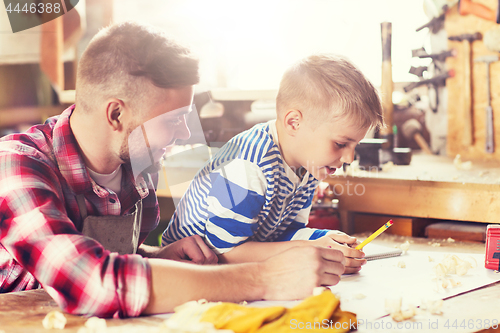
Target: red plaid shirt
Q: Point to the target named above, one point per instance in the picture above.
(41, 173)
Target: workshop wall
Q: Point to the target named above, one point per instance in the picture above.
(455, 24)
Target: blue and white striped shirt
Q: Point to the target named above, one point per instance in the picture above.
(246, 192)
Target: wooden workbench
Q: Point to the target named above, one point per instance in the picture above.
(430, 187)
(23, 312)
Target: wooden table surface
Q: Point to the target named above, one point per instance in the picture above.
(24, 311)
(430, 187)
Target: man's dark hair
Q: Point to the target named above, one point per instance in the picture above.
(120, 57)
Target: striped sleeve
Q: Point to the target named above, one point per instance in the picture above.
(297, 230)
(234, 202)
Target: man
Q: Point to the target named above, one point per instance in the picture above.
(74, 210)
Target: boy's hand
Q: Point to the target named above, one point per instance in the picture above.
(343, 238)
(346, 244)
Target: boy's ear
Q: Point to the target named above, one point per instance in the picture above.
(115, 113)
(292, 121)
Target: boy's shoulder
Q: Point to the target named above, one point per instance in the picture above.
(253, 144)
(256, 135)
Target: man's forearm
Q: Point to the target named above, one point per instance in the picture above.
(292, 274)
(257, 251)
(173, 283)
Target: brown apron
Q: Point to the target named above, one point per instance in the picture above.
(115, 233)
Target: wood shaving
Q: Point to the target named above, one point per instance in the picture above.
(169, 326)
(452, 265)
(360, 296)
(54, 319)
(459, 165)
(187, 319)
(387, 166)
(431, 259)
(319, 290)
(450, 240)
(393, 306)
(94, 325)
(433, 306)
(404, 247)
(435, 244)
(401, 264)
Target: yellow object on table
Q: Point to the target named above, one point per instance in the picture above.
(315, 314)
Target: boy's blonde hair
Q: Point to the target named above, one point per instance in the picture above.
(328, 87)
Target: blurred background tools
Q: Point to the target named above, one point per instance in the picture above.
(467, 40)
(466, 7)
(432, 83)
(437, 22)
(412, 129)
(490, 138)
(377, 152)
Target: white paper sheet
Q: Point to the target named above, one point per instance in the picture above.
(382, 279)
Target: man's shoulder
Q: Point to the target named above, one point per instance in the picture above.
(35, 143)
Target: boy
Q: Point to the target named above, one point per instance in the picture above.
(256, 194)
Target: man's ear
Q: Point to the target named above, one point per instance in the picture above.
(114, 113)
(292, 121)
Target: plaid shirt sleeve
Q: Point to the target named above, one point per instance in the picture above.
(81, 276)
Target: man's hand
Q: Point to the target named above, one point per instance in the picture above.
(346, 244)
(190, 249)
(294, 274)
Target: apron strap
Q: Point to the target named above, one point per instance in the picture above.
(81, 205)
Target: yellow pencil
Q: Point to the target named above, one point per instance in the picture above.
(374, 235)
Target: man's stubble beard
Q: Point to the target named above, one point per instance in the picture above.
(124, 155)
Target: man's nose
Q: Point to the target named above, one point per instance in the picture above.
(182, 132)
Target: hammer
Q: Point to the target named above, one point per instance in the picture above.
(490, 144)
(412, 129)
(467, 40)
(386, 86)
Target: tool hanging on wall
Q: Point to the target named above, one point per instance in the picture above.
(436, 23)
(437, 58)
(466, 7)
(490, 137)
(437, 67)
(433, 85)
(467, 40)
(418, 71)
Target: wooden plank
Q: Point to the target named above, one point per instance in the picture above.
(424, 199)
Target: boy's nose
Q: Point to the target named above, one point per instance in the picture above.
(347, 156)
